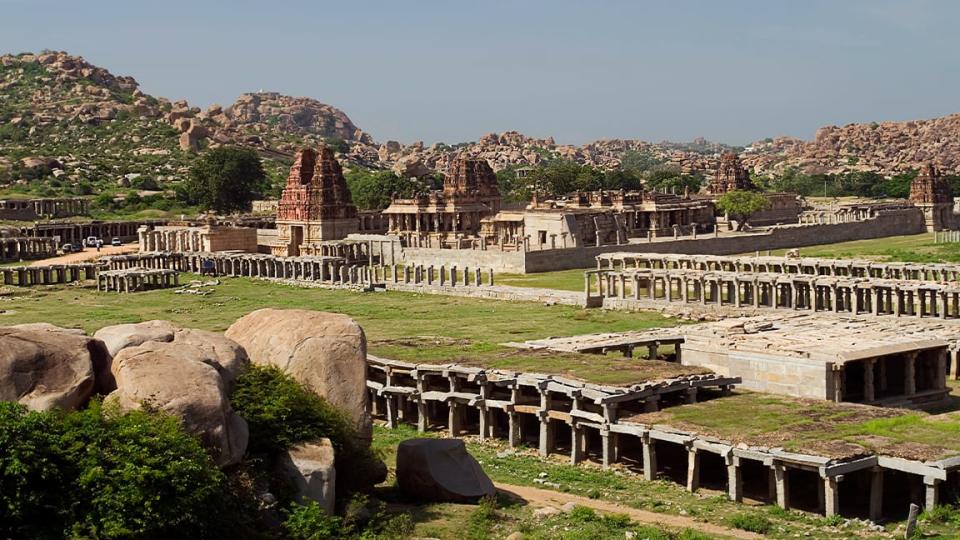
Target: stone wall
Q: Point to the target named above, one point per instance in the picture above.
(888, 223)
(501, 261)
(768, 373)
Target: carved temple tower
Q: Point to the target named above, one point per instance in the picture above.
(931, 192)
(315, 205)
(730, 175)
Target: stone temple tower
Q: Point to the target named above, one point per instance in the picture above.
(315, 204)
(931, 192)
(730, 175)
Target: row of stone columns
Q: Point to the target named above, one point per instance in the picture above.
(48, 275)
(940, 272)
(875, 297)
(68, 231)
(19, 248)
(170, 240)
(137, 279)
(331, 270)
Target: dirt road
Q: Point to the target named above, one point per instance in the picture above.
(87, 255)
(543, 497)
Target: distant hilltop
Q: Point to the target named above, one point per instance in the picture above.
(53, 101)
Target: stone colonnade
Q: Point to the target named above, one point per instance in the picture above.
(66, 207)
(856, 296)
(182, 239)
(782, 265)
(353, 251)
(48, 275)
(18, 248)
(332, 270)
(591, 422)
(137, 279)
(69, 231)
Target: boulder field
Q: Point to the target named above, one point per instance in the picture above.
(191, 374)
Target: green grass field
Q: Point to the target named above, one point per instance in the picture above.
(523, 467)
(565, 280)
(912, 248)
(821, 427)
(403, 326)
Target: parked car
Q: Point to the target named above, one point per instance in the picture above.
(116, 242)
(78, 247)
(66, 248)
(91, 241)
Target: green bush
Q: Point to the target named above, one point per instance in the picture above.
(100, 473)
(751, 522)
(583, 514)
(225, 180)
(32, 474)
(310, 522)
(281, 413)
(481, 520)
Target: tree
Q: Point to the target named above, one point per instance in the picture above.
(740, 205)
(102, 473)
(373, 190)
(280, 413)
(225, 180)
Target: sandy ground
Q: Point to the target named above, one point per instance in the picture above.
(542, 497)
(88, 254)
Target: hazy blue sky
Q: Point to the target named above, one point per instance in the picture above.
(733, 71)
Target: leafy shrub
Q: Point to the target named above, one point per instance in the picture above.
(100, 473)
(481, 520)
(583, 514)
(751, 522)
(281, 413)
(310, 522)
(225, 179)
(32, 474)
(617, 521)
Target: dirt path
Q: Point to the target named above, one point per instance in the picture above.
(87, 255)
(543, 497)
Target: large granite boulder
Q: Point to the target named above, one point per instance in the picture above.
(222, 353)
(47, 327)
(441, 470)
(325, 352)
(49, 369)
(180, 379)
(121, 336)
(310, 469)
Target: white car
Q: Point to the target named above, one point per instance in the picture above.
(116, 241)
(91, 241)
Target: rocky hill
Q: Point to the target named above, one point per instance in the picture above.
(886, 147)
(67, 126)
(89, 129)
(64, 118)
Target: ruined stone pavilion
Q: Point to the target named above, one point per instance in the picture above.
(315, 205)
(931, 192)
(730, 176)
(470, 193)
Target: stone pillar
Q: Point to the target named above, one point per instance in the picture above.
(931, 493)
(693, 469)
(831, 496)
(909, 374)
(781, 478)
(734, 479)
(649, 458)
(876, 494)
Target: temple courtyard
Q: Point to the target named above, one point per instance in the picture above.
(436, 329)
